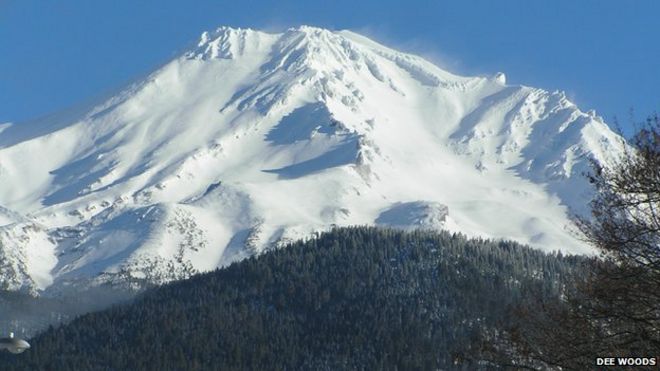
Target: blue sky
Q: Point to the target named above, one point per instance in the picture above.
(604, 54)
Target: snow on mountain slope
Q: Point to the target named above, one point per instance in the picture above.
(26, 254)
(252, 139)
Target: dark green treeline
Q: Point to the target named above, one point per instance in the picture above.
(353, 298)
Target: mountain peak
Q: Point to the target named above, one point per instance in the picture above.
(319, 49)
(254, 139)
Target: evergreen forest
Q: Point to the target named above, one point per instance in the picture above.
(356, 298)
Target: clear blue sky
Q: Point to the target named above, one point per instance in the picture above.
(55, 54)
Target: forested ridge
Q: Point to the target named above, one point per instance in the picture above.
(352, 298)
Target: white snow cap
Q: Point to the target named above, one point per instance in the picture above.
(254, 139)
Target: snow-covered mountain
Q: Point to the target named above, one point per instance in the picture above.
(254, 139)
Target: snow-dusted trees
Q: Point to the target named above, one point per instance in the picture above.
(351, 299)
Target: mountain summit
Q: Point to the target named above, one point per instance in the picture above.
(253, 139)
